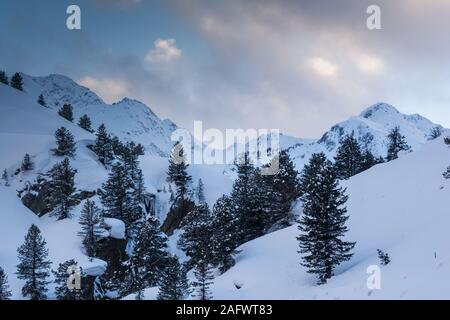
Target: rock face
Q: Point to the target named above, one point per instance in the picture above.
(176, 214)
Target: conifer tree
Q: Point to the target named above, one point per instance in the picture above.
(435, 133)
(5, 178)
(225, 231)
(61, 275)
(396, 143)
(384, 257)
(17, 81)
(323, 222)
(61, 189)
(3, 77)
(90, 221)
(203, 280)
(195, 241)
(200, 193)
(34, 266)
(174, 284)
(446, 174)
(5, 292)
(368, 160)
(349, 158)
(41, 101)
(65, 143)
(149, 255)
(85, 123)
(177, 172)
(117, 197)
(246, 198)
(66, 112)
(103, 146)
(27, 163)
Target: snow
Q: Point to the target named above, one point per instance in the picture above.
(399, 207)
(115, 227)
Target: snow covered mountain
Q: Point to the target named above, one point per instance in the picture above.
(127, 119)
(370, 128)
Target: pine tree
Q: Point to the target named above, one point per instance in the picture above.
(435, 133)
(195, 241)
(349, 158)
(5, 292)
(17, 81)
(246, 198)
(149, 255)
(61, 275)
(66, 112)
(323, 221)
(384, 257)
(61, 189)
(117, 197)
(3, 77)
(200, 193)
(5, 178)
(224, 238)
(177, 172)
(34, 266)
(368, 160)
(103, 147)
(174, 283)
(27, 163)
(396, 143)
(41, 101)
(65, 143)
(90, 221)
(203, 279)
(85, 123)
(446, 174)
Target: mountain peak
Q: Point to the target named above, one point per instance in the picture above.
(379, 108)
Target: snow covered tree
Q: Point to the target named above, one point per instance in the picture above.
(368, 160)
(34, 266)
(384, 257)
(435, 133)
(117, 197)
(62, 291)
(149, 255)
(446, 174)
(85, 123)
(66, 112)
(200, 192)
(41, 101)
(61, 189)
(103, 147)
(3, 77)
(447, 140)
(349, 158)
(5, 292)
(203, 279)
(224, 238)
(174, 284)
(396, 143)
(252, 219)
(323, 222)
(65, 143)
(177, 172)
(17, 81)
(27, 163)
(5, 178)
(90, 221)
(195, 241)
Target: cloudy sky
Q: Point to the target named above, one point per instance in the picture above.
(299, 65)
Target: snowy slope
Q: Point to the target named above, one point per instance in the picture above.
(400, 207)
(128, 119)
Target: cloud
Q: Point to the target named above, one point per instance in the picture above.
(323, 67)
(164, 51)
(109, 90)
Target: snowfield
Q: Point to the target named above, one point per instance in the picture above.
(400, 207)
